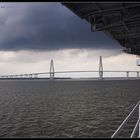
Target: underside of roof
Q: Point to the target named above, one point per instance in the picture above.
(120, 21)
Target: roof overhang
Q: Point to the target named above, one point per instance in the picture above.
(120, 21)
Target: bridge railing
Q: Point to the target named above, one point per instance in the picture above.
(124, 123)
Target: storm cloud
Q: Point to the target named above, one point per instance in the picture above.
(47, 26)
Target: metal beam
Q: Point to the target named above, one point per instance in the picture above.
(109, 11)
(125, 26)
(118, 22)
(131, 35)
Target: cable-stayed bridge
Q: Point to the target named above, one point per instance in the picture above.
(51, 74)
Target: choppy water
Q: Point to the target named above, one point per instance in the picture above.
(35, 108)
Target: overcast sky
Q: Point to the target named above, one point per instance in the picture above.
(31, 34)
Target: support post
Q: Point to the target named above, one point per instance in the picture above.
(138, 74)
(25, 75)
(51, 70)
(127, 74)
(100, 68)
(30, 75)
(35, 75)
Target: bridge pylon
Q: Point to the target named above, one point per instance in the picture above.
(51, 70)
(100, 68)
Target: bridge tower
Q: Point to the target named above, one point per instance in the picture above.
(51, 70)
(100, 68)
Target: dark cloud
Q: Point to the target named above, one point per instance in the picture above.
(48, 26)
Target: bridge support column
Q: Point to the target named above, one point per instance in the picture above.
(137, 74)
(35, 75)
(25, 75)
(127, 74)
(100, 68)
(30, 75)
(51, 70)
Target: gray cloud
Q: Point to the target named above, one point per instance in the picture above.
(47, 26)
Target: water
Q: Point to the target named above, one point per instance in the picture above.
(39, 108)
